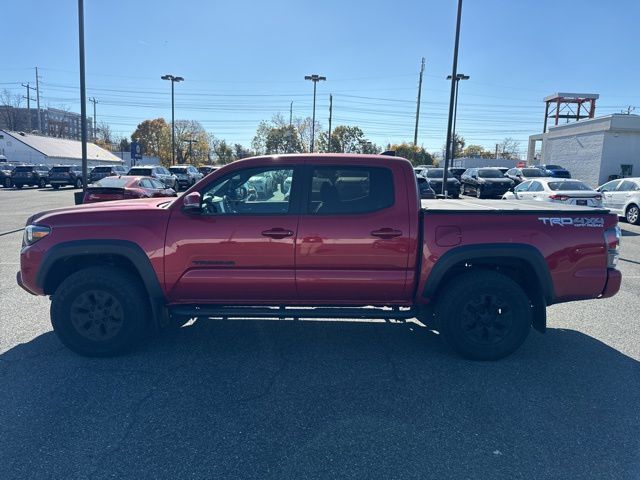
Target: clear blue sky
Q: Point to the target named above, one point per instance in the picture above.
(244, 61)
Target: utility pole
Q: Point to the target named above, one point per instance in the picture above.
(496, 151)
(291, 115)
(330, 117)
(29, 88)
(191, 141)
(95, 129)
(83, 95)
(38, 100)
(415, 133)
(460, 76)
(315, 79)
(454, 75)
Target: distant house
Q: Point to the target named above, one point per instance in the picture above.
(20, 147)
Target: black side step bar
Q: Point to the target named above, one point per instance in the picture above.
(192, 311)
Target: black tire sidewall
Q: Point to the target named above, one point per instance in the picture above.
(118, 283)
(55, 187)
(449, 308)
(626, 215)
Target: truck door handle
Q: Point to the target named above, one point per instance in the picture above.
(386, 233)
(277, 233)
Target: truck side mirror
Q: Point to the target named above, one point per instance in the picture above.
(192, 202)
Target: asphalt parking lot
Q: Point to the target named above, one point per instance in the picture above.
(285, 399)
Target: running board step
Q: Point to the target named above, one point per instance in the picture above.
(191, 311)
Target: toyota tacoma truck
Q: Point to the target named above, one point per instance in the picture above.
(349, 239)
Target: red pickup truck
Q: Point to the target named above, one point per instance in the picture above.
(300, 236)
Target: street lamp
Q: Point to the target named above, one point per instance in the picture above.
(173, 128)
(315, 79)
(459, 76)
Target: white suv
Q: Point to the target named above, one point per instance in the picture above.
(622, 196)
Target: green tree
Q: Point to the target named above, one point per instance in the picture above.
(239, 151)
(417, 155)
(192, 142)
(476, 151)
(155, 138)
(346, 139)
(222, 151)
(283, 139)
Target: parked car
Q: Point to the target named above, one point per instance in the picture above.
(434, 178)
(424, 189)
(485, 182)
(264, 184)
(6, 170)
(207, 169)
(101, 171)
(32, 175)
(622, 196)
(519, 175)
(62, 175)
(187, 175)
(481, 275)
(155, 171)
(456, 172)
(503, 170)
(556, 190)
(554, 171)
(126, 187)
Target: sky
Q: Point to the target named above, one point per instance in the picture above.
(244, 61)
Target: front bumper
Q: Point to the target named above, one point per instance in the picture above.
(22, 285)
(614, 279)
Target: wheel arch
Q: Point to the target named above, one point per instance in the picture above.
(523, 263)
(66, 258)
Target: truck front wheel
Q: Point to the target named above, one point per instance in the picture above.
(99, 311)
(483, 315)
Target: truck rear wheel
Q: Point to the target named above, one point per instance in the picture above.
(99, 311)
(483, 315)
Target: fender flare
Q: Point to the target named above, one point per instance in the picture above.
(519, 251)
(123, 248)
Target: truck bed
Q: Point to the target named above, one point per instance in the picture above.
(502, 206)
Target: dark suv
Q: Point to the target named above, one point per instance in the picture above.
(6, 169)
(65, 175)
(102, 171)
(33, 175)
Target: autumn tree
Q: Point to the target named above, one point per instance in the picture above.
(192, 142)
(346, 139)
(476, 151)
(416, 155)
(221, 150)
(155, 138)
(292, 138)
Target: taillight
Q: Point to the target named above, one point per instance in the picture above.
(612, 241)
(561, 198)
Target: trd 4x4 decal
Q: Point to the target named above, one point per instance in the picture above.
(593, 222)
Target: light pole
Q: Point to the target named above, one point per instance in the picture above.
(173, 80)
(315, 79)
(459, 76)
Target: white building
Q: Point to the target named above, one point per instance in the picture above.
(594, 149)
(479, 162)
(20, 147)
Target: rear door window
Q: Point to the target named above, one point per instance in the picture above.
(349, 190)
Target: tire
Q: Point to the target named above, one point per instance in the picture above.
(479, 192)
(483, 315)
(55, 186)
(7, 182)
(42, 183)
(18, 186)
(632, 214)
(84, 328)
(78, 183)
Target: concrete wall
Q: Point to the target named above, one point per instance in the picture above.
(620, 148)
(580, 154)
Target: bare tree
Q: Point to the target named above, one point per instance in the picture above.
(509, 148)
(9, 103)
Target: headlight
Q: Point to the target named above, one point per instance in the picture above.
(33, 233)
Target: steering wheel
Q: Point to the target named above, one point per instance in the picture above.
(227, 205)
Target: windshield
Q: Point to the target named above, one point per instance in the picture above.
(140, 171)
(568, 186)
(112, 182)
(24, 168)
(435, 173)
(532, 172)
(60, 169)
(182, 170)
(490, 173)
(101, 170)
(554, 167)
